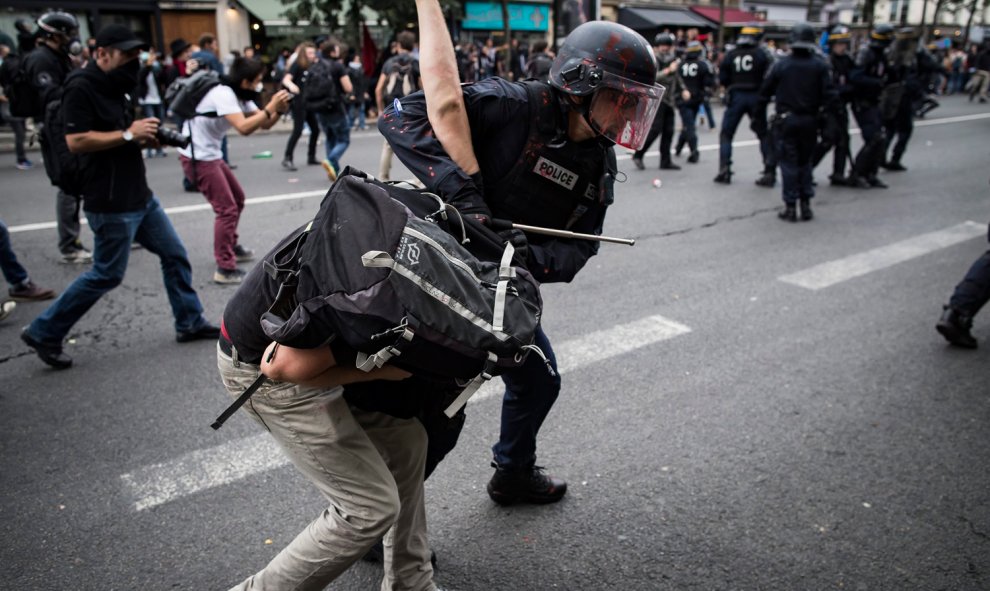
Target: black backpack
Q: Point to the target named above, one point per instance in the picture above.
(320, 92)
(66, 170)
(21, 94)
(184, 94)
(385, 270)
(401, 79)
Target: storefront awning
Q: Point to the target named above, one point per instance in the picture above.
(733, 16)
(640, 19)
(269, 12)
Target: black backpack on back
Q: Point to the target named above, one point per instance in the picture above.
(66, 170)
(386, 271)
(401, 80)
(17, 87)
(184, 94)
(320, 92)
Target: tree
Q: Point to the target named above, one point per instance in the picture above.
(398, 14)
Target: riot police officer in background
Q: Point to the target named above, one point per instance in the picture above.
(668, 76)
(741, 73)
(908, 68)
(803, 86)
(46, 68)
(869, 78)
(699, 78)
(835, 130)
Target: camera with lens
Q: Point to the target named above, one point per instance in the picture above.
(170, 137)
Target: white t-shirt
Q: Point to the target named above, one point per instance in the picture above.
(152, 98)
(207, 132)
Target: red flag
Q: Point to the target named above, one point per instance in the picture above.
(369, 53)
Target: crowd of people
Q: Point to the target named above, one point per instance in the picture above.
(552, 122)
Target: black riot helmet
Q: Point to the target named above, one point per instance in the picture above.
(750, 35)
(615, 67)
(839, 34)
(663, 39)
(695, 51)
(803, 37)
(882, 35)
(62, 27)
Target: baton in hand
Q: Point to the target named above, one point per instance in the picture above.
(507, 225)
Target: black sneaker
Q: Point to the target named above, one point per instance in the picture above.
(228, 276)
(894, 166)
(724, 176)
(638, 162)
(876, 183)
(530, 485)
(288, 165)
(50, 353)
(203, 333)
(313, 162)
(693, 158)
(668, 165)
(955, 326)
(242, 254)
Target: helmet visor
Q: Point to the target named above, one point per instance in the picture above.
(622, 110)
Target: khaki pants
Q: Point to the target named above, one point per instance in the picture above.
(982, 82)
(368, 465)
(385, 165)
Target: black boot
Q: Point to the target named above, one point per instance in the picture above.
(530, 485)
(789, 214)
(724, 176)
(857, 182)
(668, 165)
(767, 179)
(806, 213)
(894, 166)
(693, 158)
(954, 326)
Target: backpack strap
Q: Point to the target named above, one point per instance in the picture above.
(479, 380)
(506, 272)
(239, 402)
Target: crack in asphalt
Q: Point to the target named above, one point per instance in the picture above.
(713, 223)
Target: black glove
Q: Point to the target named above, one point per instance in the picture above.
(519, 241)
(470, 201)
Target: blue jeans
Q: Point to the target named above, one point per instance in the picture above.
(13, 271)
(356, 111)
(741, 102)
(338, 135)
(973, 291)
(530, 392)
(113, 234)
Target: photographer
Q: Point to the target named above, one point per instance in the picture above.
(120, 207)
(229, 104)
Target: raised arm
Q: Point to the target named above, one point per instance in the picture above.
(442, 86)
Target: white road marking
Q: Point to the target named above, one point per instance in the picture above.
(837, 271)
(307, 194)
(204, 469)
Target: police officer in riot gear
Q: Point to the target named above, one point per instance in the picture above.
(741, 73)
(668, 76)
(46, 68)
(908, 67)
(698, 79)
(869, 78)
(803, 87)
(835, 128)
(533, 152)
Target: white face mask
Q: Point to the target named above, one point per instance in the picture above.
(259, 87)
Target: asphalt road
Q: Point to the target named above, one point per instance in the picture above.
(721, 426)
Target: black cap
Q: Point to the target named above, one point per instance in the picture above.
(177, 46)
(119, 37)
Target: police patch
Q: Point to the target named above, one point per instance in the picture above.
(556, 173)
